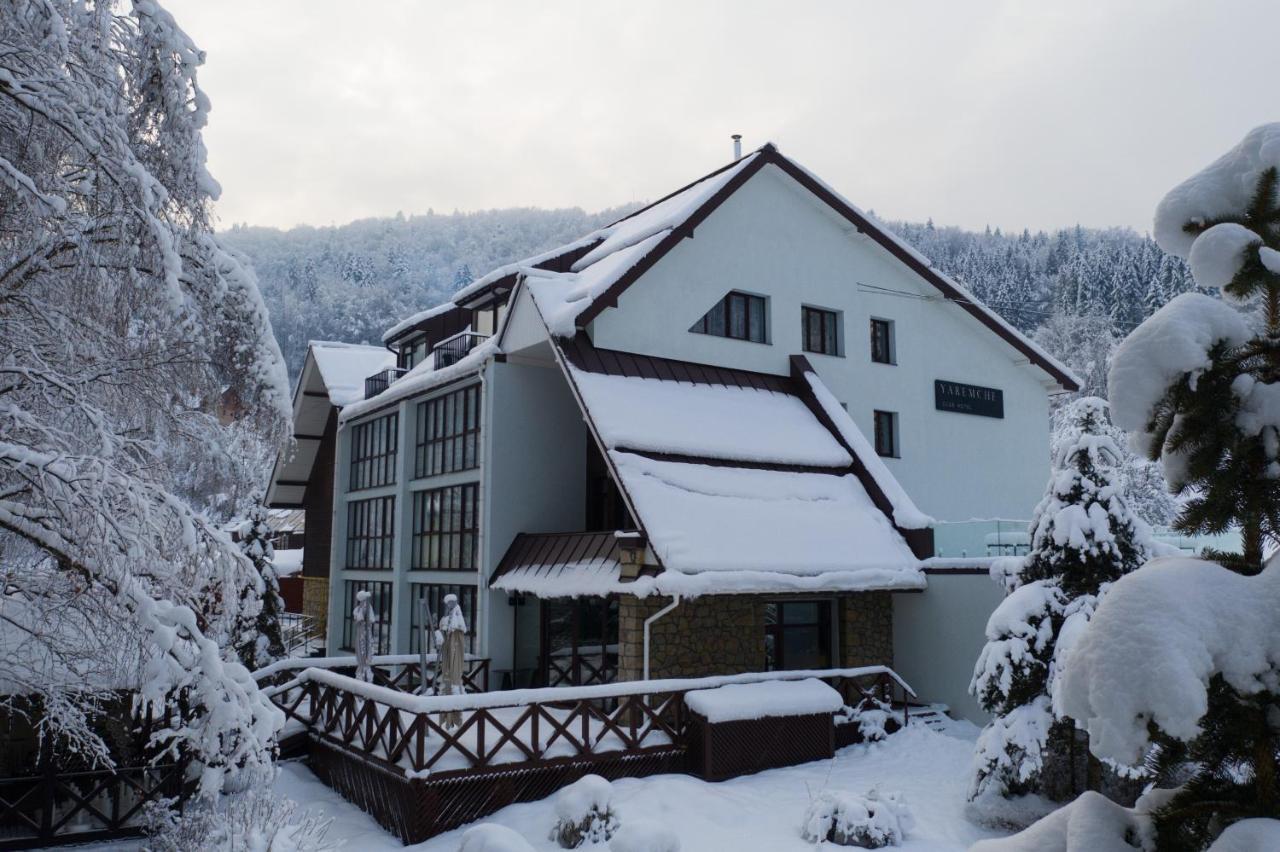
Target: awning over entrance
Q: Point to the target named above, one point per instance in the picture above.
(556, 565)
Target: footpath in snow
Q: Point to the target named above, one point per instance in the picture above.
(756, 813)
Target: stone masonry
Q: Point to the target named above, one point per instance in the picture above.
(724, 634)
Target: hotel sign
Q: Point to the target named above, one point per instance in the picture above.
(968, 399)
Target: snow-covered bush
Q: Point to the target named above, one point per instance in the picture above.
(489, 837)
(1083, 537)
(1091, 823)
(644, 836)
(876, 719)
(872, 821)
(584, 813)
(255, 820)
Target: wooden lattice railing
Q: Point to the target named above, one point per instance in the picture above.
(402, 672)
(411, 734)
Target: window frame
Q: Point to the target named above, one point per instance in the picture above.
(429, 527)
(374, 450)
(829, 338)
(778, 628)
(879, 432)
(443, 443)
(381, 591)
(468, 598)
(377, 534)
(725, 306)
(890, 342)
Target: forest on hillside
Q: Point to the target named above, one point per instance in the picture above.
(1078, 291)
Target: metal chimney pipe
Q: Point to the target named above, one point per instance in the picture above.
(737, 146)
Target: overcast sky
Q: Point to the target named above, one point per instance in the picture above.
(1014, 114)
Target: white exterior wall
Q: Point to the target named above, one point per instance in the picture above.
(938, 634)
(773, 238)
(536, 479)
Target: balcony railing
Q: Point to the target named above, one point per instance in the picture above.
(381, 380)
(453, 349)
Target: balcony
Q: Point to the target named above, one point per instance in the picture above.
(451, 350)
(381, 380)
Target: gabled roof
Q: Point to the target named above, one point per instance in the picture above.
(332, 377)
(632, 245)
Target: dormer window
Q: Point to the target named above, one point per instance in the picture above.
(741, 316)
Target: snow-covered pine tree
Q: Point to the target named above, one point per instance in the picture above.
(257, 636)
(1199, 387)
(1083, 538)
(122, 322)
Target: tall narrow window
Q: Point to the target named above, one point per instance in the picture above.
(448, 433)
(373, 453)
(740, 316)
(882, 341)
(821, 331)
(886, 426)
(434, 594)
(445, 528)
(380, 599)
(371, 533)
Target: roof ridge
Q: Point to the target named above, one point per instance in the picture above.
(766, 148)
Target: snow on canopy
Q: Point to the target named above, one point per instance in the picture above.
(1157, 638)
(344, 367)
(1223, 188)
(1218, 254)
(1172, 342)
(712, 519)
(714, 421)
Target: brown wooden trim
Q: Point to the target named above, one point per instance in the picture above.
(609, 298)
(710, 461)
(308, 437)
(318, 394)
(586, 356)
(963, 572)
(291, 483)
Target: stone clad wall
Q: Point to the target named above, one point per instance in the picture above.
(866, 629)
(724, 634)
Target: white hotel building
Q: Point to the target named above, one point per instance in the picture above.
(735, 415)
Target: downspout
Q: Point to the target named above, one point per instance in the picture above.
(648, 622)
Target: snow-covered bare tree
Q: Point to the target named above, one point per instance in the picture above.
(1083, 538)
(123, 322)
(1199, 387)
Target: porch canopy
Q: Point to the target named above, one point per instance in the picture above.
(739, 482)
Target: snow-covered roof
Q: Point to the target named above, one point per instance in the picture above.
(736, 481)
(343, 367)
(332, 376)
(703, 518)
(420, 317)
(423, 377)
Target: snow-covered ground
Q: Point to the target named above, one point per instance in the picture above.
(756, 813)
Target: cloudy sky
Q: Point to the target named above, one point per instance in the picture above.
(1014, 114)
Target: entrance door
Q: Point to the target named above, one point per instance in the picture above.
(797, 635)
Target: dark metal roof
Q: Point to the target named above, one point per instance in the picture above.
(551, 556)
(583, 354)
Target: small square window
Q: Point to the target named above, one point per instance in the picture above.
(821, 330)
(886, 426)
(882, 343)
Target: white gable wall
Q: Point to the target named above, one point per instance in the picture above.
(775, 239)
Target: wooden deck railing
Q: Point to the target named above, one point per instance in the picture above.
(407, 733)
(401, 672)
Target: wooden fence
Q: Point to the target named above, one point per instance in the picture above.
(425, 764)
